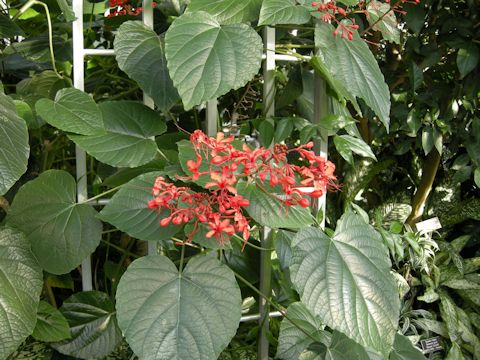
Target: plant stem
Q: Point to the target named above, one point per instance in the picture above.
(50, 294)
(102, 194)
(182, 258)
(251, 245)
(429, 170)
(27, 6)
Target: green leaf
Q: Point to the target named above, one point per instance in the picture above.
(67, 11)
(128, 210)
(8, 28)
(427, 140)
(72, 111)
(346, 281)
(467, 59)
(455, 353)
(228, 11)
(449, 315)
(283, 247)
(476, 177)
(51, 324)
(268, 211)
(15, 149)
(128, 140)
(346, 144)
(339, 90)
(386, 24)
(207, 60)
(283, 129)
(416, 79)
(293, 338)
(339, 348)
(21, 283)
(266, 133)
(62, 233)
(171, 315)
(93, 326)
(140, 53)
(275, 12)
(403, 349)
(25, 112)
(415, 17)
(353, 64)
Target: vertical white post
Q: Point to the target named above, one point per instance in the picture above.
(81, 159)
(212, 117)
(147, 16)
(321, 109)
(265, 256)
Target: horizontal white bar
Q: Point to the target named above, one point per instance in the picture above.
(98, 52)
(111, 52)
(257, 316)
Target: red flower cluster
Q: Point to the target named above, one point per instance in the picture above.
(217, 160)
(330, 11)
(123, 7)
(343, 18)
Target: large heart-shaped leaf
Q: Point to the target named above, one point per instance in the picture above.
(228, 11)
(282, 12)
(14, 150)
(128, 140)
(268, 211)
(51, 324)
(72, 111)
(165, 314)
(21, 283)
(206, 59)
(140, 53)
(62, 233)
(128, 210)
(93, 326)
(346, 281)
(354, 65)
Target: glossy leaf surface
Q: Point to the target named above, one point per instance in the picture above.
(168, 315)
(127, 141)
(93, 324)
(140, 53)
(62, 233)
(21, 284)
(207, 59)
(128, 210)
(345, 280)
(15, 149)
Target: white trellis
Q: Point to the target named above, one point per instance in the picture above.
(321, 109)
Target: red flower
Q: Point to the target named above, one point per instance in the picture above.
(218, 227)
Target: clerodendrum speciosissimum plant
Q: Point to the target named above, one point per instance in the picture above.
(343, 18)
(222, 165)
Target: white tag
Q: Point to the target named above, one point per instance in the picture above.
(429, 225)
